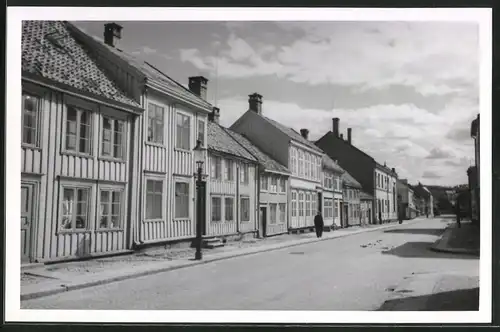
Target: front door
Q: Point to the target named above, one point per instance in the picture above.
(346, 215)
(26, 221)
(263, 220)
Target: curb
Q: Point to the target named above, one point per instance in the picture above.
(65, 288)
(441, 246)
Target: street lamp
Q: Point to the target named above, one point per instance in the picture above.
(199, 157)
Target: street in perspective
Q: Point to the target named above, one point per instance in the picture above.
(251, 166)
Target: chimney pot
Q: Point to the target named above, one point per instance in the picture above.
(255, 103)
(335, 128)
(112, 33)
(215, 115)
(341, 136)
(198, 86)
(349, 135)
(393, 170)
(304, 133)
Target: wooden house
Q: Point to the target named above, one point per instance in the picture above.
(292, 150)
(273, 183)
(78, 156)
(366, 201)
(351, 203)
(332, 192)
(175, 118)
(232, 184)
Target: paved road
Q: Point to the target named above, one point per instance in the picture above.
(350, 273)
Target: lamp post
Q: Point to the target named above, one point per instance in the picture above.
(199, 157)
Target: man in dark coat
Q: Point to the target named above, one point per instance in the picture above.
(318, 224)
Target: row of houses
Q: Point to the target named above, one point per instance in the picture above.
(108, 162)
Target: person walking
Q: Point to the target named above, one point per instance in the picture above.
(318, 224)
(400, 215)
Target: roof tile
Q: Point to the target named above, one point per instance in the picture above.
(219, 140)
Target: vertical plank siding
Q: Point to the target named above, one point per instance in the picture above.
(52, 166)
(222, 228)
(183, 163)
(276, 229)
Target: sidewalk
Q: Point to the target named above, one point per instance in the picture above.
(57, 278)
(463, 240)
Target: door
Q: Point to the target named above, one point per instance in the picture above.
(26, 221)
(263, 220)
(346, 215)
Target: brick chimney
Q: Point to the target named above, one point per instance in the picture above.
(198, 86)
(215, 115)
(305, 133)
(255, 103)
(393, 170)
(349, 135)
(341, 136)
(335, 128)
(112, 34)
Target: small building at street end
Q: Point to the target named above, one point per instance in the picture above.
(273, 184)
(331, 205)
(232, 184)
(366, 201)
(427, 200)
(406, 195)
(375, 179)
(292, 150)
(351, 206)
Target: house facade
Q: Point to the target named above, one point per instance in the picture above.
(407, 204)
(366, 201)
(273, 184)
(232, 184)
(175, 118)
(292, 150)
(426, 200)
(376, 180)
(77, 166)
(351, 205)
(332, 192)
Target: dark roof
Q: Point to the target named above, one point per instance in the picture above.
(330, 164)
(293, 134)
(474, 127)
(365, 196)
(219, 140)
(51, 51)
(264, 159)
(156, 76)
(350, 181)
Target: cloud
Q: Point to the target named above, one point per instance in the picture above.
(430, 175)
(440, 153)
(435, 58)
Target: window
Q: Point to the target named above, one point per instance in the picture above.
(229, 206)
(181, 200)
(183, 130)
(301, 163)
(282, 213)
(201, 132)
(274, 184)
(31, 112)
(263, 183)
(336, 206)
(111, 207)
(318, 168)
(154, 199)
(294, 204)
(155, 123)
(301, 204)
(308, 166)
(244, 173)
(75, 218)
(308, 205)
(78, 130)
(112, 138)
(216, 165)
(229, 171)
(216, 209)
(282, 185)
(313, 167)
(328, 208)
(293, 160)
(245, 209)
(335, 183)
(273, 207)
(314, 202)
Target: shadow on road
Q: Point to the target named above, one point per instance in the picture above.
(458, 300)
(427, 231)
(422, 249)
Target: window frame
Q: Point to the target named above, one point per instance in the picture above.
(282, 214)
(273, 214)
(274, 184)
(245, 198)
(264, 179)
(76, 185)
(282, 184)
(232, 198)
(216, 172)
(244, 173)
(38, 113)
(80, 107)
(154, 140)
(123, 199)
(301, 204)
(112, 142)
(183, 116)
(228, 170)
(212, 197)
(204, 134)
(146, 192)
(188, 196)
(294, 203)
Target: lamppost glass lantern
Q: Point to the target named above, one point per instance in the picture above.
(199, 154)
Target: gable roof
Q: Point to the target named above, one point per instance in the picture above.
(51, 51)
(330, 164)
(292, 134)
(219, 140)
(154, 75)
(350, 181)
(264, 159)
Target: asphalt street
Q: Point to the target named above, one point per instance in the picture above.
(351, 273)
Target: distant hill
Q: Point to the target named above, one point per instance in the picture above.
(444, 197)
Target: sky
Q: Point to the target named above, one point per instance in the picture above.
(408, 90)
